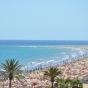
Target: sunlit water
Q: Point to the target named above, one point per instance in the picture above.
(31, 56)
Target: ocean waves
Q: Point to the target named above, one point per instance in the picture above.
(34, 57)
(76, 53)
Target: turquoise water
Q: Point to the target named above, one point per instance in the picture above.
(36, 53)
(34, 56)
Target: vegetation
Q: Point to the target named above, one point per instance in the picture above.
(52, 73)
(58, 82)
(12, 69)
(68, 83)
(62, 83)
(76, 83)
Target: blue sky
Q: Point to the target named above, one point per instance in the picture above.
(44, 19)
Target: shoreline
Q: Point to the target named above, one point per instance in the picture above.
(63, 61)
(74, 68)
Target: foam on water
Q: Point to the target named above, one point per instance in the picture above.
(40, 56)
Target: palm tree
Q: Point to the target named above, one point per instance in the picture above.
(52, 73)
(60, 83)
(12, 68)
(76, 83)
(68, 83)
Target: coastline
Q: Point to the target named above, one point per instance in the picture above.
(35, 79)
(77, 68)
(74, 68)
(80, 48)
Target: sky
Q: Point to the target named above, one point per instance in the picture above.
(43, 19)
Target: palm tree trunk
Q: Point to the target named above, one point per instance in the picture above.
(3, 84)
(52, 85)
(10, 81)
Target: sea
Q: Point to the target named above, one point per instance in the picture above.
(41, 53)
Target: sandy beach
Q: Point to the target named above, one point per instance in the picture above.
(36, 79)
